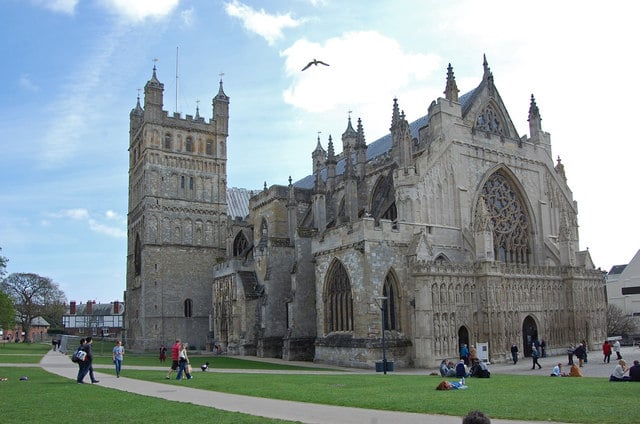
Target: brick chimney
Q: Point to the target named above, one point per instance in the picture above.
(72, 308)
(116, 308)
(89, 309)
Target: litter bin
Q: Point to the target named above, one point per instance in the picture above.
(380, 366)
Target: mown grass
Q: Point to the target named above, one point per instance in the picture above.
(48, 398)
(536, 398)
(22, 353)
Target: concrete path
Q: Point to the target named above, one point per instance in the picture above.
(60, 364)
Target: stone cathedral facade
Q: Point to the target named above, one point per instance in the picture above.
(450, 229)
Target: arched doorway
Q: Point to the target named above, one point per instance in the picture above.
(529, 334)
(463, 337)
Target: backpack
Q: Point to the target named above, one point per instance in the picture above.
(79, 356)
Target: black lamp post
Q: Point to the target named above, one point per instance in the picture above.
(381, 305)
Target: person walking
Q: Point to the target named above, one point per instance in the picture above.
(184, 363)
(514, 353)
(534, 356)
(606, 351)
(175, 356)
(616, 349)
(118, 356)
(86, 366)
(163, 354)
(464, 354)
(580, 352)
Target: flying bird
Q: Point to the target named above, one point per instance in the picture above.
(315, 62)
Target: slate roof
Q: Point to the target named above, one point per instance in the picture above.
(382, 145)
(617, 269)
(238, 202)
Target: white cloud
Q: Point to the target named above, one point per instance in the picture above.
(25, 82)
(187, 16)
(267, 26)
(95, 224)
(367, 70)
(139, 10)
(62, 6)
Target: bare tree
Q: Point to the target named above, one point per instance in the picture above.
(32, 295)
(3, 265)
(619, 324)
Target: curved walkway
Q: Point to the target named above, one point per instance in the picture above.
(60, 364)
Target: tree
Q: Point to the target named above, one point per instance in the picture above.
(7, 313)
(619, 324)
(3, 265)
(31, 295)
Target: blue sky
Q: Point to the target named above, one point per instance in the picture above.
(72, 69)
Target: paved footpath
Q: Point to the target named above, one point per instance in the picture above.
(57, 363)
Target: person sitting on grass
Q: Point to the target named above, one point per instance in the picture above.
(480, 369)
(445, 370)
(574, 371)
(619, 371)
(634, 371)
(557, 371)
(461, 370)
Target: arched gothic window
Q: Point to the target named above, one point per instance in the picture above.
(390, 304)
(189, 145)
(383, 200)
(509, 219)
(137, 256)
(188, 308)
(489, 120)
(339, 300)
(240, 244)
(167, 141)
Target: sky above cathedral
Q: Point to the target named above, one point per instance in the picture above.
(72, 70)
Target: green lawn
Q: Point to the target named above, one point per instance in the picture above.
(575, 400)
(48, 398)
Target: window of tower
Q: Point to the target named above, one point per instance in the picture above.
(188, 308)
(137, 256)
(338, 300)
(210, 148)
(189, 145)
(182, 181)
(190, 183)
(167, 141)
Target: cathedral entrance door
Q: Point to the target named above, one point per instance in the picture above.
(463, 338)
(529, 334)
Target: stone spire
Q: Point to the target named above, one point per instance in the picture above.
(361, 151)
(349, 137)
(319, 156)
(451, 90)
(535, 120)
(487, 75)
(395, 117)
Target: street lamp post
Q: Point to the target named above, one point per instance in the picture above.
(382, 299)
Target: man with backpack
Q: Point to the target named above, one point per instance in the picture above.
(86, 365)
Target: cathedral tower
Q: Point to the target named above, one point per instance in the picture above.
(177, 212)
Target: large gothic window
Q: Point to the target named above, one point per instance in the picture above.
(390, 304)
(240, 244)
(383, 200)
(509, 220)
(338, 300)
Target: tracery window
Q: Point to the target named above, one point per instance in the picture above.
(489, 120)
(383, 200)
(339, 300)
(240, 244)
(390, 304)
(509, 219)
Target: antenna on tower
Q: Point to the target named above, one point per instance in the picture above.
(176, 79)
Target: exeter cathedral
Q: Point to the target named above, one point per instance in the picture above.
(452, 229)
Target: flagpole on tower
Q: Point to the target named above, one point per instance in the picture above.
(176, 109)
